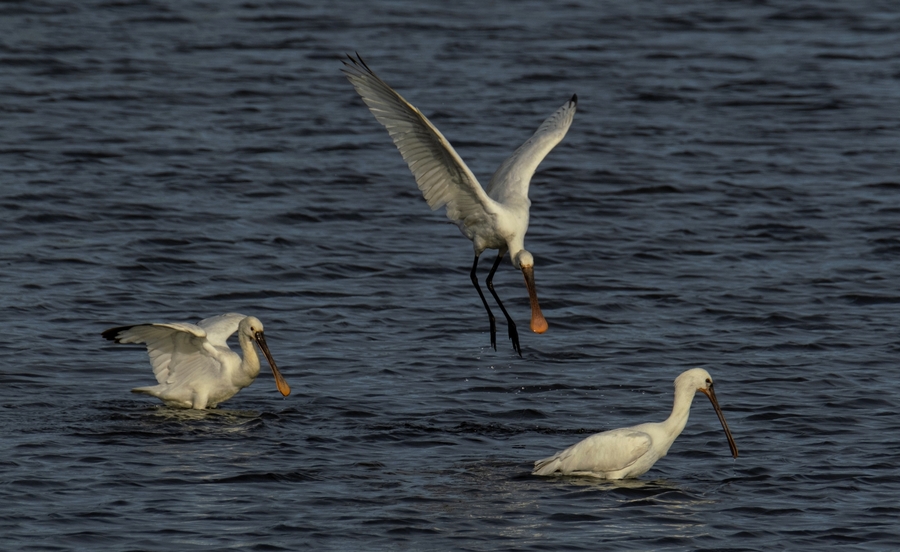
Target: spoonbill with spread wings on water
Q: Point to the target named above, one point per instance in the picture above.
(192, 362)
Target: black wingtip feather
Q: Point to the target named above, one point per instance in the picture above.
(574, 99)
(112, 334)
(363, 62)
(358, 62)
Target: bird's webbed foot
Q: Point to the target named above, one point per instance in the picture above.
(493, 332)
(514, 337)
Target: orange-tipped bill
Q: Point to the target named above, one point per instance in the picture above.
(538, 322)
(282, 385)
(712, 398)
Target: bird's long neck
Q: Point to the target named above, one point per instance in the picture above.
(250, 362)
(681, 409)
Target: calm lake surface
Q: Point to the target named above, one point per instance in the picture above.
(728, 197)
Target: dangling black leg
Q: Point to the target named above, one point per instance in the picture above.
(486, 307)
(513, 332)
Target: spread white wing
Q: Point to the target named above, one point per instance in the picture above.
(440, 173)
(512, 178)
(178, 351)
(220, 328)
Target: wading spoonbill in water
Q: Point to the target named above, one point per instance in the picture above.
(631, 451)
(193, 364)
(496, 218)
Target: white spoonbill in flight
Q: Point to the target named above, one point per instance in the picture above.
(631, 451)
(496, 218)
(193, 364)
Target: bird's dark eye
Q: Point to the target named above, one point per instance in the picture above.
(708, 381)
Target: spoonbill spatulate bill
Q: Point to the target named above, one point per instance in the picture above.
(493, 218)
(631, 451)
(192, 362)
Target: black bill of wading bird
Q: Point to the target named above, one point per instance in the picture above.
(192, 363)
(493, 218)
(631, 451)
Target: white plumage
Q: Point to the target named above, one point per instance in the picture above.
(631, 451)
(193, 364)
(493, 219)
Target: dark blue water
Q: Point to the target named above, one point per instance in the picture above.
(728, 197)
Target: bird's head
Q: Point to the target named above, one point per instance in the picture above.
(524, 261)
(252, 328)
(698, 379)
